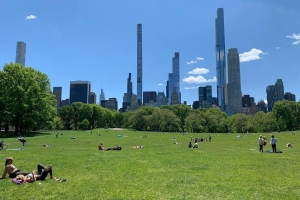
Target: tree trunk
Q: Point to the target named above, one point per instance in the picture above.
(6, 127)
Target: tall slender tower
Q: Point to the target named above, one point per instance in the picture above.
(174, 79)
(21, 53)
(234, 92)
(139, 66)
(102, 96)
(129, 89)
(220, 58)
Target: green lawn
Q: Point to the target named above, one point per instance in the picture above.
(226, 168)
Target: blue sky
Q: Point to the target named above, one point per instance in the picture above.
(95, 40)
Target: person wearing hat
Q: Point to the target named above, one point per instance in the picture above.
(260, 143)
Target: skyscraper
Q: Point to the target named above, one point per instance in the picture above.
(92, 98)
(149, 97)
(129, 89)
(174, 79)
(279, 90)
(79, 91)
(102, 96)
(271, 96)
(220, 58)
(234, 92)
(139, 65)
(205, 96)
(275, 93)
(57, 91)
(21, 53)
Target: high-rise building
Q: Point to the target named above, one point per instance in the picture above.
(195, 105)
(174, 98)
(111, 104)
(92, 98)
(220, 58)
(279, 89)
(289, 96)
(234, 92)
(129, 89)
(65, 102)
(167, 90)
(271, 96)
(261, 105)
(57, 91)
(139, 65)
(102, 96)
(214, 101)
(21, 53)
(174, 79)
(248, 105)
(205, 96)
(79, 91)
(149, 97)
(275, 93)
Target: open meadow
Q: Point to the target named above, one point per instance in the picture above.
(226, 168)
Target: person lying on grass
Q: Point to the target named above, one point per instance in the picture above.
(29, 178)
(137, 147)
(11, 170)
(107, 149)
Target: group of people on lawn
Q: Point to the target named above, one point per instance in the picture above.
(26, 177)
(273, 141)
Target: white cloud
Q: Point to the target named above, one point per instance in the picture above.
(295, 37)
(200, 58)
(198, 79)
(278, 48)
(253, 54)
(192, 62)
(199, 71)
(29, 17)
(160, 84)
(266, 101)
(190, 88)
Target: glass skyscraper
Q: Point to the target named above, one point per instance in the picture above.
(139, 65)
(21, 53)
(129, 89)
(79, 91)
(220, 58)
(174, 79)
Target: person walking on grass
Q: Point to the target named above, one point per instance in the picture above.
(273, 142)
(260, 143)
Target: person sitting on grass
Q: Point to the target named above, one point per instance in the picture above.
(11, 170)
(196, 145)
(289, 145)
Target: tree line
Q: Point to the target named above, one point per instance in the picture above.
(27, 103)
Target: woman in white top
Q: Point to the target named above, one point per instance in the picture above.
(273, 142)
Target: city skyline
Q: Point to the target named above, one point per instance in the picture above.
(266, 52)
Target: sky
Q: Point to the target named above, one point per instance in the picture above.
(96, 40)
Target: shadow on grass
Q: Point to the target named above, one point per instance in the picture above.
(11, 134)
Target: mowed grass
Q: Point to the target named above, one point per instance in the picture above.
(226, 168)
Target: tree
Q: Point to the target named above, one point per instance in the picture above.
(84, 125)
(28, 100)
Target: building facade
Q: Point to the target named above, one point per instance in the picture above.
(149, 97)
(139, 65)
(57, 91)
(289, 96)
(102, 96)
(21, 53)
(79, 91)
(205, 96)
(92, 98)
(129, 89)
(234, 92)
(65, 102)
(220, 58)
(275, 93)
(262, 106)
(111, 104)
(174, 79)
(248, 105)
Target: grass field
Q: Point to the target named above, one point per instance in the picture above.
(226, 168)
